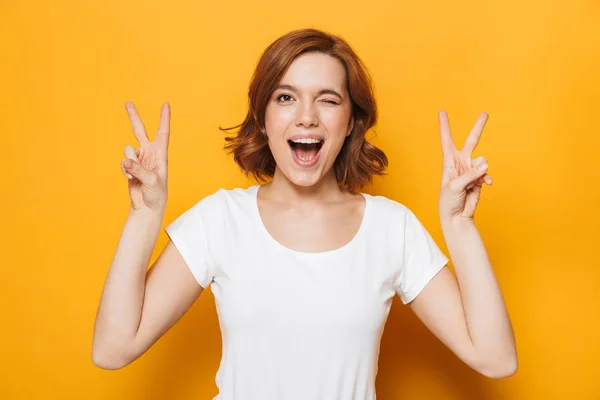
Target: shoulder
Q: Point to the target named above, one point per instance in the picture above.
(218, 212)
(222, 200)
(387, 209)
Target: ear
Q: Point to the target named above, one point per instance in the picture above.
(350, 126)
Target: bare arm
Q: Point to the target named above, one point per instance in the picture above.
(136, 307)
(469, 315)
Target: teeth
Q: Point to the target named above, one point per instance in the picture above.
(306, 140)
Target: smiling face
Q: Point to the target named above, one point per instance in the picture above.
(308, 117)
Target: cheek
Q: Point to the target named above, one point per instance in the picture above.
(277, 118)
(336, 121)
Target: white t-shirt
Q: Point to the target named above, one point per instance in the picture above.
(295, 325)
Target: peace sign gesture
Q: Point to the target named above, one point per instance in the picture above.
(462, 178)
(146, 168)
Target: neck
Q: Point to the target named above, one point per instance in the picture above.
(284, 190)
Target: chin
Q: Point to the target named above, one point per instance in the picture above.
(303, 178)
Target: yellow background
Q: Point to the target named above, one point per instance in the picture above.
(68, 67)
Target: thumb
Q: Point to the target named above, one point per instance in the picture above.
(135, 169)
(469, 177)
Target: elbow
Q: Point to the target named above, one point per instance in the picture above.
(500, 369)
(109, 358)
(106, 363)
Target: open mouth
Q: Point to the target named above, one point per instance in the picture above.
(306, 149)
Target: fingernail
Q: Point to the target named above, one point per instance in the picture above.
(483, 167)
(128, 176)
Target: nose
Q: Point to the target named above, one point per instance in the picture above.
(307, 115)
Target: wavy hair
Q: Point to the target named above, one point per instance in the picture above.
(358, 159)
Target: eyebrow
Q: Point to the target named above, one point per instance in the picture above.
(321, 92)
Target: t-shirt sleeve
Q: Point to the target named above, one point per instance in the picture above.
(187, 233)
(422, 259)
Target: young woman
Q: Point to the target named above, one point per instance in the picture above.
(304, 268)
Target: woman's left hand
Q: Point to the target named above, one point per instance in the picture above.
(462, 178)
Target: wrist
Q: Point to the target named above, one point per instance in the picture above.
(457, 224)
(146, 213)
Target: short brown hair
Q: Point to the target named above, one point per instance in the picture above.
(358, 159)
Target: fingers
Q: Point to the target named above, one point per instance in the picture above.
(473, 138)
(478, 161)
(485, 178)
(468, 179)
(135, 169)
(138, 127)
(130, 153)
(164, 126)
(448, 146)
(127, 175)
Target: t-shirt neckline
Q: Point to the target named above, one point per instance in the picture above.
(322, 254)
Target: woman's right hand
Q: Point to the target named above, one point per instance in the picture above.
(146, 167)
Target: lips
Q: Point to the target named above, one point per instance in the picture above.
(306, 150)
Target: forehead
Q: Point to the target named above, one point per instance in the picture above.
(315, 71)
